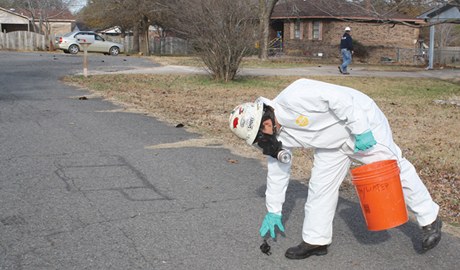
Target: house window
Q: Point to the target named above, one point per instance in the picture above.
(316, 34)
(297, 29)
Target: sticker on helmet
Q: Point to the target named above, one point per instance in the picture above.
(235, 122)
(242, 122)
(251, 123)
(302, 121)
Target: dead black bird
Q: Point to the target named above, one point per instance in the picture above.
(265, 248)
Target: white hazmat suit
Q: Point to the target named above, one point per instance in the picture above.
(323, 116)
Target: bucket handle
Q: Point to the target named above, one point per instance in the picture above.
(391, 151)
(396, 156)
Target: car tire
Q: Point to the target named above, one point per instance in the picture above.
(73, 49)
(114, 51)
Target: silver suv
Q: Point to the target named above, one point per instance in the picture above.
(68, 43)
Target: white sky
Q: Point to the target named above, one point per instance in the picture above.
(76, 5)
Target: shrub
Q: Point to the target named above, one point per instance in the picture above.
(359, 50)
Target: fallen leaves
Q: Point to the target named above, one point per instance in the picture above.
(232, 161)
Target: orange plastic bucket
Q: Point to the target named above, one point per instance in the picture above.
(380, 194)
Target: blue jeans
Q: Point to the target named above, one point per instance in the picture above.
(346, 58)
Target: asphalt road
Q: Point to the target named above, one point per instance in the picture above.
(81, 187)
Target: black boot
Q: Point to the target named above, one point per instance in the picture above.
(305, 250)
(431, 234)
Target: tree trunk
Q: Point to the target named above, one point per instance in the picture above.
(265, 11)
(144, 46)
(136, 39)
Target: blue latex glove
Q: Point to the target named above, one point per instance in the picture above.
(364, 141)
(270, 221)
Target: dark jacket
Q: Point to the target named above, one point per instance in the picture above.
(346, 42)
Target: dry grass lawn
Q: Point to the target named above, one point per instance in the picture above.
(428, 132)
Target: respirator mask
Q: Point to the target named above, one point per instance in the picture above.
(268, 142)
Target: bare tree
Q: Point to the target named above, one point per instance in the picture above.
(265, 11)
(446, 35)
(134, 15)
(7, 4)
(41, 12)
(221, 31)
(381, 10)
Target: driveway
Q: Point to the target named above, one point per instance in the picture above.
(320, 70)
(85, 185)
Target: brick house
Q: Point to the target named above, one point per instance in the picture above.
(312, 28)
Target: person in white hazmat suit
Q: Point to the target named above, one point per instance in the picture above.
(341, 124)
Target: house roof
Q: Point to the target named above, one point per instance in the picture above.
(12, 12)
(335, 9)
(51, 14)
(447, 12)
(81, 26)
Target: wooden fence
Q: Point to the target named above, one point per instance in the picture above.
(22, 41)
(30, 41)
(157, 46)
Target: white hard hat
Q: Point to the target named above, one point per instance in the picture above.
(245, 120)
(347, 28)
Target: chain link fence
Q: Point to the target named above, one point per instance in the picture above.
(448, 56)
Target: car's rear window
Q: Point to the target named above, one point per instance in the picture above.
(69, 34)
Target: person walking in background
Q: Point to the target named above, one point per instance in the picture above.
(346, 48)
